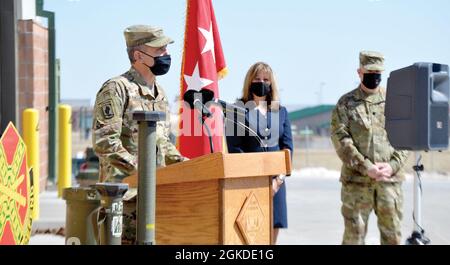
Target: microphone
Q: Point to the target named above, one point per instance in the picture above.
(193, 98)
(208, 96)
(231, 109)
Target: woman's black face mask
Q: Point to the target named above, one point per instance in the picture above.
(371, 80)
(260, 89)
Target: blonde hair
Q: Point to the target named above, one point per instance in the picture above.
(273, 97)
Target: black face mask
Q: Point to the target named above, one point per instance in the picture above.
(371, 80)
(161, 65)
(260, 89)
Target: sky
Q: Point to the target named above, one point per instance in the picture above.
(312, 46)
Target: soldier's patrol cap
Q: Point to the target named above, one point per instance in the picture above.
(146, 35)
(372, 61)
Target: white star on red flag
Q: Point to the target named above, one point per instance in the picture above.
(195, 82)
(209, 45)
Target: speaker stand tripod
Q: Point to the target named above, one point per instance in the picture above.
(418, 235)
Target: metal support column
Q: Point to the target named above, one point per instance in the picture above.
(146, 204)
(8, 64)
(53, 93)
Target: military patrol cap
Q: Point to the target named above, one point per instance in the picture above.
(146, 35)
(372, 61)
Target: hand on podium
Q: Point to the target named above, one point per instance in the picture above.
(277, 181)
(131, 180)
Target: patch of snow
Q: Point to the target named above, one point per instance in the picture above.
(47, 240)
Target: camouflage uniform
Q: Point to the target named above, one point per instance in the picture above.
(360, 139)
(115, 134)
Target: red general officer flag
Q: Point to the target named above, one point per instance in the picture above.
(203, 65)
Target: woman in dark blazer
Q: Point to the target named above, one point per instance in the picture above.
(270, 121)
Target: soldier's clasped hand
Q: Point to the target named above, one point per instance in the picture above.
(386, 172)
(381, 172)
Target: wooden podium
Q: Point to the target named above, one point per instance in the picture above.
(223, 199)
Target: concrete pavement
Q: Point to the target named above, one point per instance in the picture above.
(314, 216)
(313, 211)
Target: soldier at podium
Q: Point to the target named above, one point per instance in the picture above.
(115, 134)
(270, 121)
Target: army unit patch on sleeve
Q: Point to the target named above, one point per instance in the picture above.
(108, 110)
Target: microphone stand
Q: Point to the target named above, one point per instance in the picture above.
(195, 102)
(248, 129)
(202, 118)
(418, 236)
(209, 95)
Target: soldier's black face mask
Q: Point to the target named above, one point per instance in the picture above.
(161, 65)
(260, 89)
(371, 80)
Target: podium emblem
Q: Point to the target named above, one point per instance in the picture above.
(250, 219)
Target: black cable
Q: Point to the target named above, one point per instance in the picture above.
(202, 121)
(211, 144)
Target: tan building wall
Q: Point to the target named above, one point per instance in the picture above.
(33, 82)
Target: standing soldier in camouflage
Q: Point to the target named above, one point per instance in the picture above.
(371, 174)
(115, 134)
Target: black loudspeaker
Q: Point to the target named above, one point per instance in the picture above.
(417, 107)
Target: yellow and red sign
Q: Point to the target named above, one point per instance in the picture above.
(16, 194)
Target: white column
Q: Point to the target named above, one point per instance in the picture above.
(26, 9)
